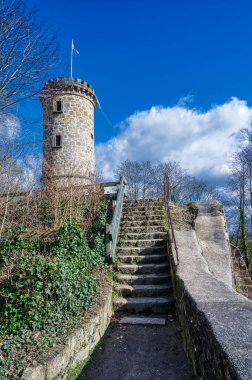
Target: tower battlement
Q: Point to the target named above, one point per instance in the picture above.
(70, 85)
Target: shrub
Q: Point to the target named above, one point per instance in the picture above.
(44, 293)
(50, 285)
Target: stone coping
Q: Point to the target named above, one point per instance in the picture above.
(216, 321)
(78, 346)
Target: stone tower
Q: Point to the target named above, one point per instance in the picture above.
(68, 144)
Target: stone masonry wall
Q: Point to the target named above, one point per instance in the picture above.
(77, 348)
(75, 125)
(215, 321)
(241, 275)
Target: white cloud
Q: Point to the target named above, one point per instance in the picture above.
(26, 166)
(202, 141)
(9, 127)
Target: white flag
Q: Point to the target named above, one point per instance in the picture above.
(73, 48)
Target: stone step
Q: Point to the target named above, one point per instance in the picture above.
(136, 251)
(145, 304)
(143, 258)
(144, 201)
(143, 268)
(144, 279)
(132, 320)
(142, 243)
(142, 235)
(142, 218)
(144, 209)
(141, 223)
(126, 290)
(141, 229)
(136, 212)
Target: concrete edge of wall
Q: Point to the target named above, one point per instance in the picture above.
(215, 323)
(78, 346)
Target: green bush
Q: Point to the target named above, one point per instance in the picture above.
(52, 283)
(18, 244)
(44, 293)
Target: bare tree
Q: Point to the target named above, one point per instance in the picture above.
(132, 171)
(178, 179)
(27, 52)
(147, 181)
(198, 190)
(239, 187)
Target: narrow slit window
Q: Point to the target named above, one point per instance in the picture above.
(59, 106)
(58, 140)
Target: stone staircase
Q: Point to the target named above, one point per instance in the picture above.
(143, 282)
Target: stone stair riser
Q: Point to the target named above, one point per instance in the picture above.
(142, 269)
(148, 292)
(144, 280)
(142, 250)
(142, 218)
(143, 210)
(141, 229)
(141, 223)
(142, 236)
(159, 308)
(142, 243)
(144, 202)
(143, 259)
(144, 213)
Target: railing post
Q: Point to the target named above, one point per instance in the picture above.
(108, 240)
(167, 206)
(112, 230)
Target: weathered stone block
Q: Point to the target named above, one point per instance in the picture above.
(57, 361)
(81, 356)
(34, 373)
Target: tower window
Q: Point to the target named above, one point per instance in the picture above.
(58, 106)
(57, 141)
(92, 136)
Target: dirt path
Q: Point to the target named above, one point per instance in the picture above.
(130, 352)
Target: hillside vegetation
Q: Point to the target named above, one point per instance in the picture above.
(47, 284)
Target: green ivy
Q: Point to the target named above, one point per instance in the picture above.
(8, 247)
(53, 283)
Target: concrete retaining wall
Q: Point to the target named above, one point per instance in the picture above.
(77, 348)
(215, 321)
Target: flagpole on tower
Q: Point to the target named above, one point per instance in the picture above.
(72, 59)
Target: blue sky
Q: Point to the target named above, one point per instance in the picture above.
(140, 54)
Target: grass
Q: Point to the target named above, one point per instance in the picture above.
(74, 372)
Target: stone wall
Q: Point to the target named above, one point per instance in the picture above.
(215, 321)
(74, 158)
(241, 275)
(77, 348)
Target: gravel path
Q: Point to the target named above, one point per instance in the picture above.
(136, 352)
